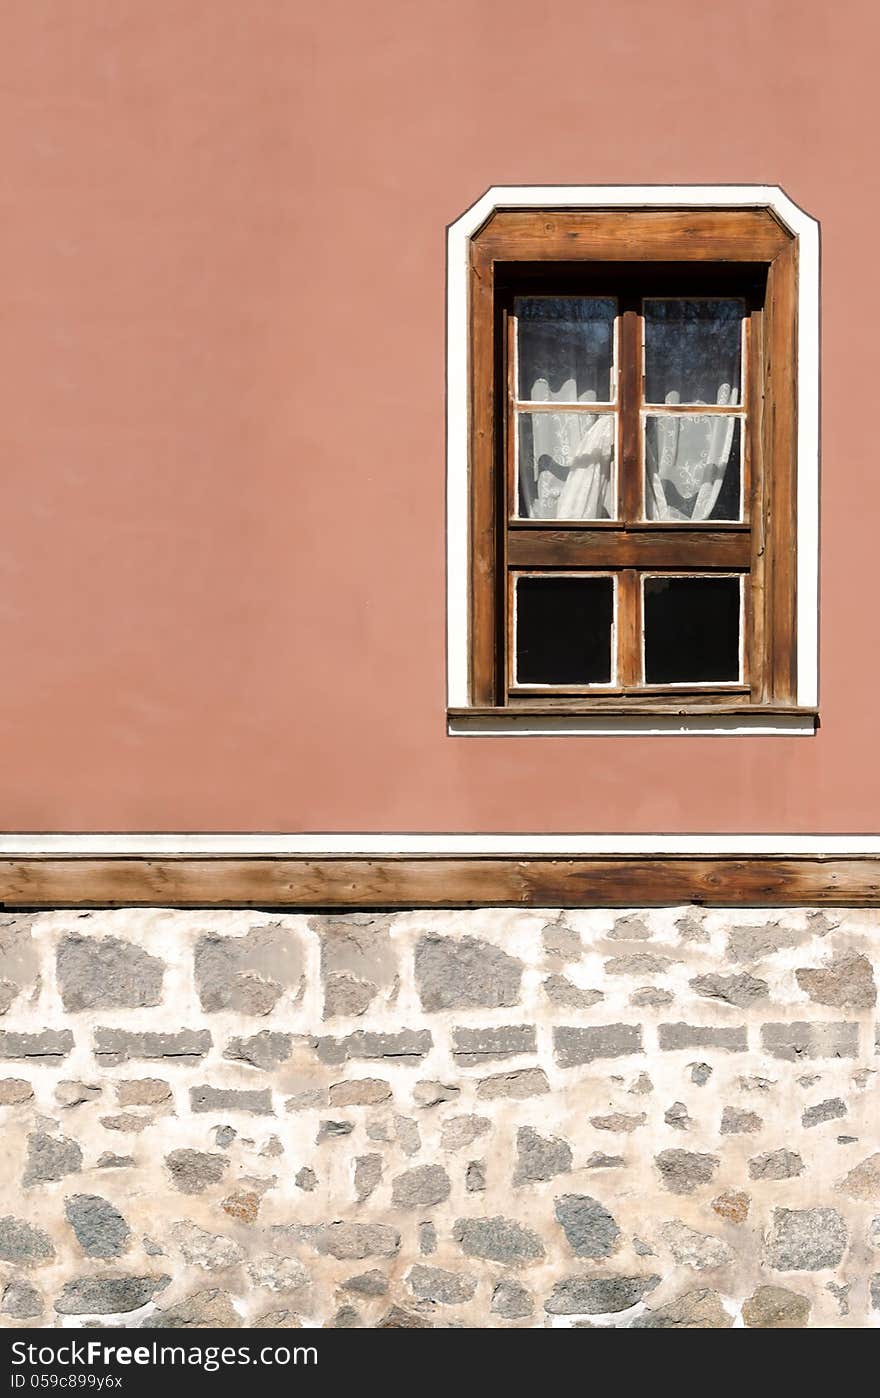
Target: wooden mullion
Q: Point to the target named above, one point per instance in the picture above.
(507, 498)
(629, 491)
(628, 618)
(753, 495)
(745, 624)
(749, 390)
(510, 504)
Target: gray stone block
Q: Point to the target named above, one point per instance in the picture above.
(108, 1295)
(100, 1229)
(730, 1038)
(107, 973)
(577, 1045)
(465, 973)
(802, 1040)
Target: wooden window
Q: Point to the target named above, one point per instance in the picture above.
(632, 462)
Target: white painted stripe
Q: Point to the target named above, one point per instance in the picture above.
(457, 473)
(328, 845)
(637, 725)
(806, 230)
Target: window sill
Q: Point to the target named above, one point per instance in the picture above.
(644, 719)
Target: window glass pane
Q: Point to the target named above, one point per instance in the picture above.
(565, 348)
(693, 351)
(692, 630)
(565, 465)
(692, 467)
(563, 630)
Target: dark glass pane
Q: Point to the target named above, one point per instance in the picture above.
(563, 630)
(566, 348)
(693, 351)
(692, 467)
(691, 630)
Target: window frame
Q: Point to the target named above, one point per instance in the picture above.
(694, 230)
(629, 542)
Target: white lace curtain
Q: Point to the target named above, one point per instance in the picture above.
(687, 459)
(567, 458)
(686, 456)
(572, 455)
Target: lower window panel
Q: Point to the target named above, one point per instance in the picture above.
(685, 630)
(564, 628)
(692, 629)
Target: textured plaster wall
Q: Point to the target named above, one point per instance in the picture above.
(222, 393)
(490, 1118)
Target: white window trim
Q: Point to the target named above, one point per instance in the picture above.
(24, 846)
(806, 229)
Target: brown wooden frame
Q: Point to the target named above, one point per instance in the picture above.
(438, 881)
(732, 251)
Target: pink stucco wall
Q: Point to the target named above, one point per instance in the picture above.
(222, 397)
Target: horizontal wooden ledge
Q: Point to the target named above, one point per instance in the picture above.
(628, 549)
(438, 881)
(605, 708)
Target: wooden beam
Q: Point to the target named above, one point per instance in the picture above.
(437, 882)
(628, 548)
(618, 235)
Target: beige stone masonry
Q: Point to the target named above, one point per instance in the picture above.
(648, 1118)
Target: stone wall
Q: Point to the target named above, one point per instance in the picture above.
(661, 1118)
